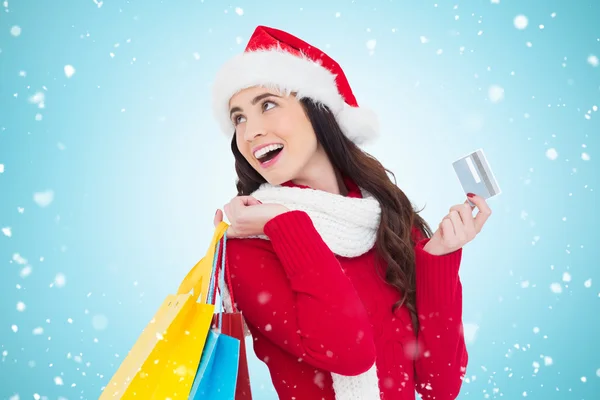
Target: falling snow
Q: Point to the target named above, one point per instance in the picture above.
(520, 22)
(60, 280)
(264, 297)
(552, 154)
(526, 101)
(38, 98)
(69, 71)
(371, 45)
(99, 322)
(43, 199)
(15, 31)
(496, 93)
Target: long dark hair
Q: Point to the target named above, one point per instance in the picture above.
(394, 242)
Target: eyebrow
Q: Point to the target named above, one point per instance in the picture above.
(253, 102)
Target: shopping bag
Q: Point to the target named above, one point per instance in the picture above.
(181, 363)
(206, 363)
(164, 360)
(217, 374)
(204, 268)
(232, 324)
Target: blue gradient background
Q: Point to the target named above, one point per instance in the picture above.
(136, 167)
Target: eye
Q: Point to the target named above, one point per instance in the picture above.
(266, 104)
(238, 119)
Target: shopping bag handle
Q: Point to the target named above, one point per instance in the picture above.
(198, 278)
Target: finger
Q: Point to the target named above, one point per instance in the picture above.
(446, 228)
(483, 214)
(249, 201)
(466, 214)
(457, 222)
(218, 218)
(471, 206)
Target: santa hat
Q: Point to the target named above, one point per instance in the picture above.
(277, 60)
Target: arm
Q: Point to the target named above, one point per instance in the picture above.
(294, 291)
(443, 357)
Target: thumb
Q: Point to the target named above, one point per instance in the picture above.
(250, 201)
(218, 218)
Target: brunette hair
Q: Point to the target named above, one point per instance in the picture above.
(395, 240)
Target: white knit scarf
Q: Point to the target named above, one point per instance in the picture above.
(349, 227)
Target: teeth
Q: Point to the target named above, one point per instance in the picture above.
(259, 153)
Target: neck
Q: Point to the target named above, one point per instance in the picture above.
(320, 174)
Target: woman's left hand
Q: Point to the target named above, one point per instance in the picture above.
(248, 216)
(459, 227)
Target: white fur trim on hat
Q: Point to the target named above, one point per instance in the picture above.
(280, 70)
(359, 124)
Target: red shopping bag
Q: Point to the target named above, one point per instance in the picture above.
(232, 324)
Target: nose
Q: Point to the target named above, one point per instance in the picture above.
(254, 129)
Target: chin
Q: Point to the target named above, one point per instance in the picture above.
(279, 176)
(276, 179)
(282, 171)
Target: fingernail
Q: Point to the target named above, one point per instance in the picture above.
(216, 212)
(470, 195)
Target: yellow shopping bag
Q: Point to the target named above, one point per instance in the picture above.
(163, 362)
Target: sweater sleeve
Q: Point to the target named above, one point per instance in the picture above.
(294, 291)
(442, 360)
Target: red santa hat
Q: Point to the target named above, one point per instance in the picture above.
(277, 60)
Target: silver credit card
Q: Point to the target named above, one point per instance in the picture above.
(476, 176)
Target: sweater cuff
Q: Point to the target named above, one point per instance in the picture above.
(436, 278)
(297, 242)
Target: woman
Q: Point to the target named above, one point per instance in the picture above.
(334, 271)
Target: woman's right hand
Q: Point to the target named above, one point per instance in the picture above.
(248, 216)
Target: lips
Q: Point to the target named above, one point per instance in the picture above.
(270, 162)
(263, 150)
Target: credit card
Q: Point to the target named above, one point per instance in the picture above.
(476, 176)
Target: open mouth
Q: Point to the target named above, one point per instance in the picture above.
(269, 154)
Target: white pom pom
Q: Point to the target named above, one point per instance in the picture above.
(361, 125)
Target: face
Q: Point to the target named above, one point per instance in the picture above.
(273, 133)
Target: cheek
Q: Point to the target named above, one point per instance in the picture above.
(296, 131)
(302, 145)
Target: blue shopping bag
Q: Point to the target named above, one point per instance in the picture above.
(216, 377)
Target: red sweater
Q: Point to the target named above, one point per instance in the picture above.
(311, 313)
